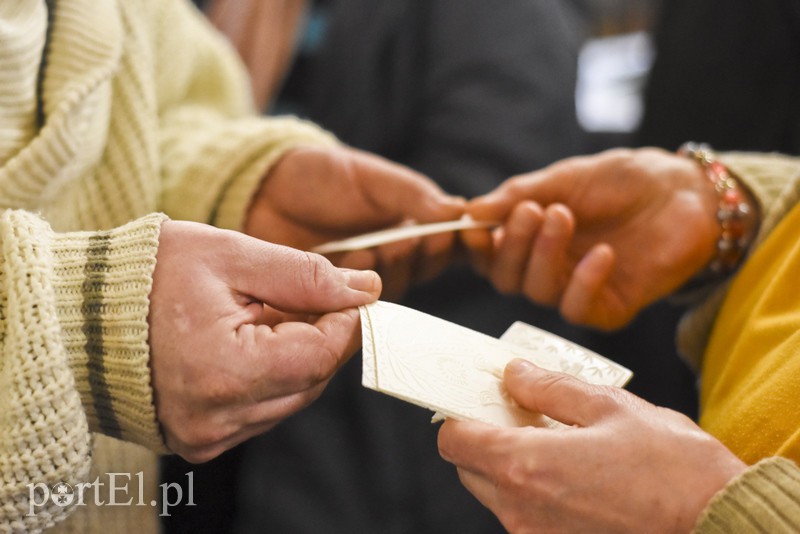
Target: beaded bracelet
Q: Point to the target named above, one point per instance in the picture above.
(735, 214)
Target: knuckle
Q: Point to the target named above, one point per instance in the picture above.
(308, 272)
(314, 274)
(289, 405)
(505, 287)
(539, 293)
(195, 437)
(515, 522)
(327, 363)
(516, 186)
(311, 368)
(553, 383)
(522, 478)
(574, 315)
(310, 365)
(607, 400)
(504, 282)
(516, 474)
(201, 455)
(622, 153)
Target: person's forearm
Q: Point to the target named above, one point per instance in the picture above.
(264, 34)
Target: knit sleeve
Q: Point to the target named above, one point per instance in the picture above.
(214, 148)
(765, 498)
(774, 180)
(74, 360)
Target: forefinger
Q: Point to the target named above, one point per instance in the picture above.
(547, 272)
(296, 356)
(480, 447)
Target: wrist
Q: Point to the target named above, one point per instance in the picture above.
(736, 211)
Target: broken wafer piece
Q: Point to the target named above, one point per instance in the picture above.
(457, 372)
(391, 235)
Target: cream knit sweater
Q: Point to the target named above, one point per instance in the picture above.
(110, 111)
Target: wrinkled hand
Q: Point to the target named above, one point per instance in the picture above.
(315, 195)
(602, 236)
(624, 466)
(244, 333)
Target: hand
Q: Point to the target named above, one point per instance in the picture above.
(244, 333)
(316, 195)
(624, 465)
(602, 236)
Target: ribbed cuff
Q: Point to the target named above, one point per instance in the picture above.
(232, 208)
(766, 176)
(765, 498)
(102, 285)
(213, 165)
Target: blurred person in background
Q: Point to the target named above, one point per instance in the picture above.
(720, 93)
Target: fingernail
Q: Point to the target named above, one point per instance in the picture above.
(367, 281)
(518, 366)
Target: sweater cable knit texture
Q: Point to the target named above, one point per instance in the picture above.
(142, 109)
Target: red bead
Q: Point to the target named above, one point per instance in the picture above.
(718, 168)
(735, 228)
(733, 209)
(732, 196)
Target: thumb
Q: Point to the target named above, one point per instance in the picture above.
(555, 183)
(300, 282)
(556, 395)
(493, 206)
